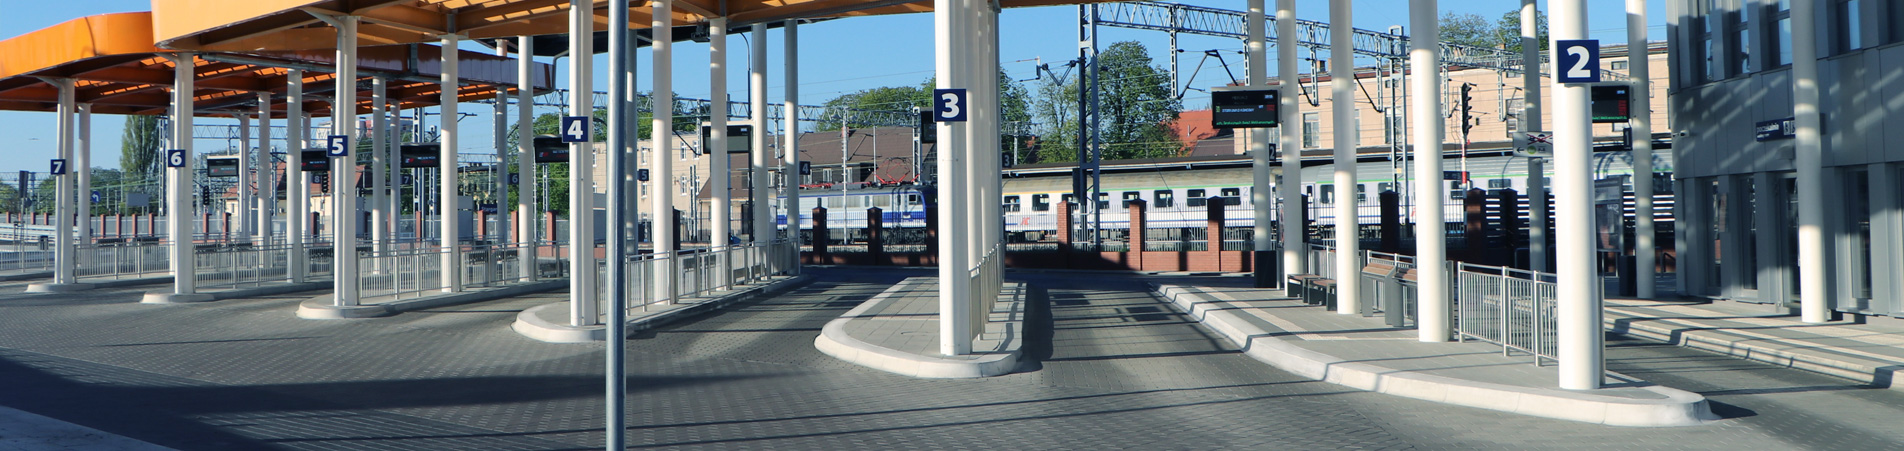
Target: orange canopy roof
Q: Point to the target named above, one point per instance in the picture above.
(117, 69)
(290, 24)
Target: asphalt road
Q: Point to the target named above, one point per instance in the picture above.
(1110, 367)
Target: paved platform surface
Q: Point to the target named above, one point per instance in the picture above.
(897, 331)
(1107, 366)
(1871, 353)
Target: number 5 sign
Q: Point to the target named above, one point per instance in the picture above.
(175, 158)
(948, 105)
(1578, 61)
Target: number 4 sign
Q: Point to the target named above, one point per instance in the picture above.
(948, 105)
(575, 129)
(1579, 60)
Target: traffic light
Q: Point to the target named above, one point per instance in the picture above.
(1467, 108)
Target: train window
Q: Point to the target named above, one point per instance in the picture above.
(1232, 196)
(1068, 199)
(912, 199)
(1103, 201)
(1455, 192)
(1361, 193)
(1130, 196)
(1011, 204)
(1041, 202)
(1328, 194)
(1500, 183)
(1196, 198)
(1385, 187)
(1163, 198)
(882, 201)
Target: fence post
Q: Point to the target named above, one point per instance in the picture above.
(876, 235)
(1507, 321)
(1474, 207)
(820, 235)
(1137, 235)
(1508, 203)
(1391, 211)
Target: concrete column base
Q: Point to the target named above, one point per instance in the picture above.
(50, 287)
(548, 323)
(323, 308)
(174, 298)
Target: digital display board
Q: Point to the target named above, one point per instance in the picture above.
(315, 160)
(1612, 104)
(419, 155)
(1243, 108)
(221, 166)
(551, 149)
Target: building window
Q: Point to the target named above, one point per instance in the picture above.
(1041, 202)
(1327, 196)
(1782, 15)
(1011, 204)
(1618, 65)
(1848, 35)
(1164, 198)
(1896, 23)
(1500, 183)
(1740, 33)
(1311, 127)
(1706, 48)
(1103, 201)
(1857, 196)
(1195, 198)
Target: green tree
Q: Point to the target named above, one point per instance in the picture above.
(1508, 30)
(1471, 30)
(139, 148)
(1135, 102)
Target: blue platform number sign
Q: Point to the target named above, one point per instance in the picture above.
(575, 129)
(948, 105)
(59, 166)
(337, 146)
(1579, 60)
(641, 175)
(408, 180)
(806, 168)
(515, 178)
(175, 158)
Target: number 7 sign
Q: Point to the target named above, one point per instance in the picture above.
(1577, 61)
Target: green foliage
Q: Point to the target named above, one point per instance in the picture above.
(1135, 102)
(139, 148)
(1470, 30)
(1508, 30)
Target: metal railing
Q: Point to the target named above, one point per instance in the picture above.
(134, 259)
(243, 265)
(986, 278)
(1322, 260)
(1509, 307)
(414, 270)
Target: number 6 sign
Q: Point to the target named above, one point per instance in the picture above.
(948, 105)
(1578, 61)
(175, 158)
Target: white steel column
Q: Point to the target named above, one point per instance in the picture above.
(583, 310)
(1289, 188)
(344, 168)
(1257, 47)
(619, 125)
(526, 211)
(65, 270)
(245, 179)
(1579, 313)
(83, 164)
(179, 209)
(1431, 252)
(1642, 113)
(1531, 120)
(791, 149)
(449, 218)
(662, 159)
(717, 147)
(1348, 228)
(1812, 275)
(267, 175)
(761, 156)
(298, 196)
(380, 164)
(500, 176)
(955, 296)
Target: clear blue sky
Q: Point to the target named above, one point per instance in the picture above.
(836, 57)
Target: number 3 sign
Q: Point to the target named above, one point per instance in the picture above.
(948, 105)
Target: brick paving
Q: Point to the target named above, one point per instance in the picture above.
(1110, 367)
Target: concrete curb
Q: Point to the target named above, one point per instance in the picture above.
(320, 307)
(834, 341)
(276, 288)
(532, 322)
(1711, 340)
(26, 276)
(50, 287)
(1678, 408)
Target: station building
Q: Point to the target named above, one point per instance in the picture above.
(1731, 97)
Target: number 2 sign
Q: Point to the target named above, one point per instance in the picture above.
(1578, 61)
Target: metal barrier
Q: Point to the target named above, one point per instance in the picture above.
(1509, 307)
(986, 278)
(237, 266)
(136, 259)
(1384, 287)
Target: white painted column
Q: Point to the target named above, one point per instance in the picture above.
(83, 164)
(245, 179)
(717, 147)
(1642, 113)
(1578, 280)
(790, 150)
(761, 156)
(500, 135)
(267, 172)
(1256, 22)
(526, 211)
(1810, 162)
(619, 125)
(65, 269)
(449, 224)
(1289, 188)
(955, 297)
(179, 208)
(1431, 247)
(298, 185)
(1348, 244)
(380, 165)
(662, 139)
(344, 169)
(583, 308)
(1531, 121)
